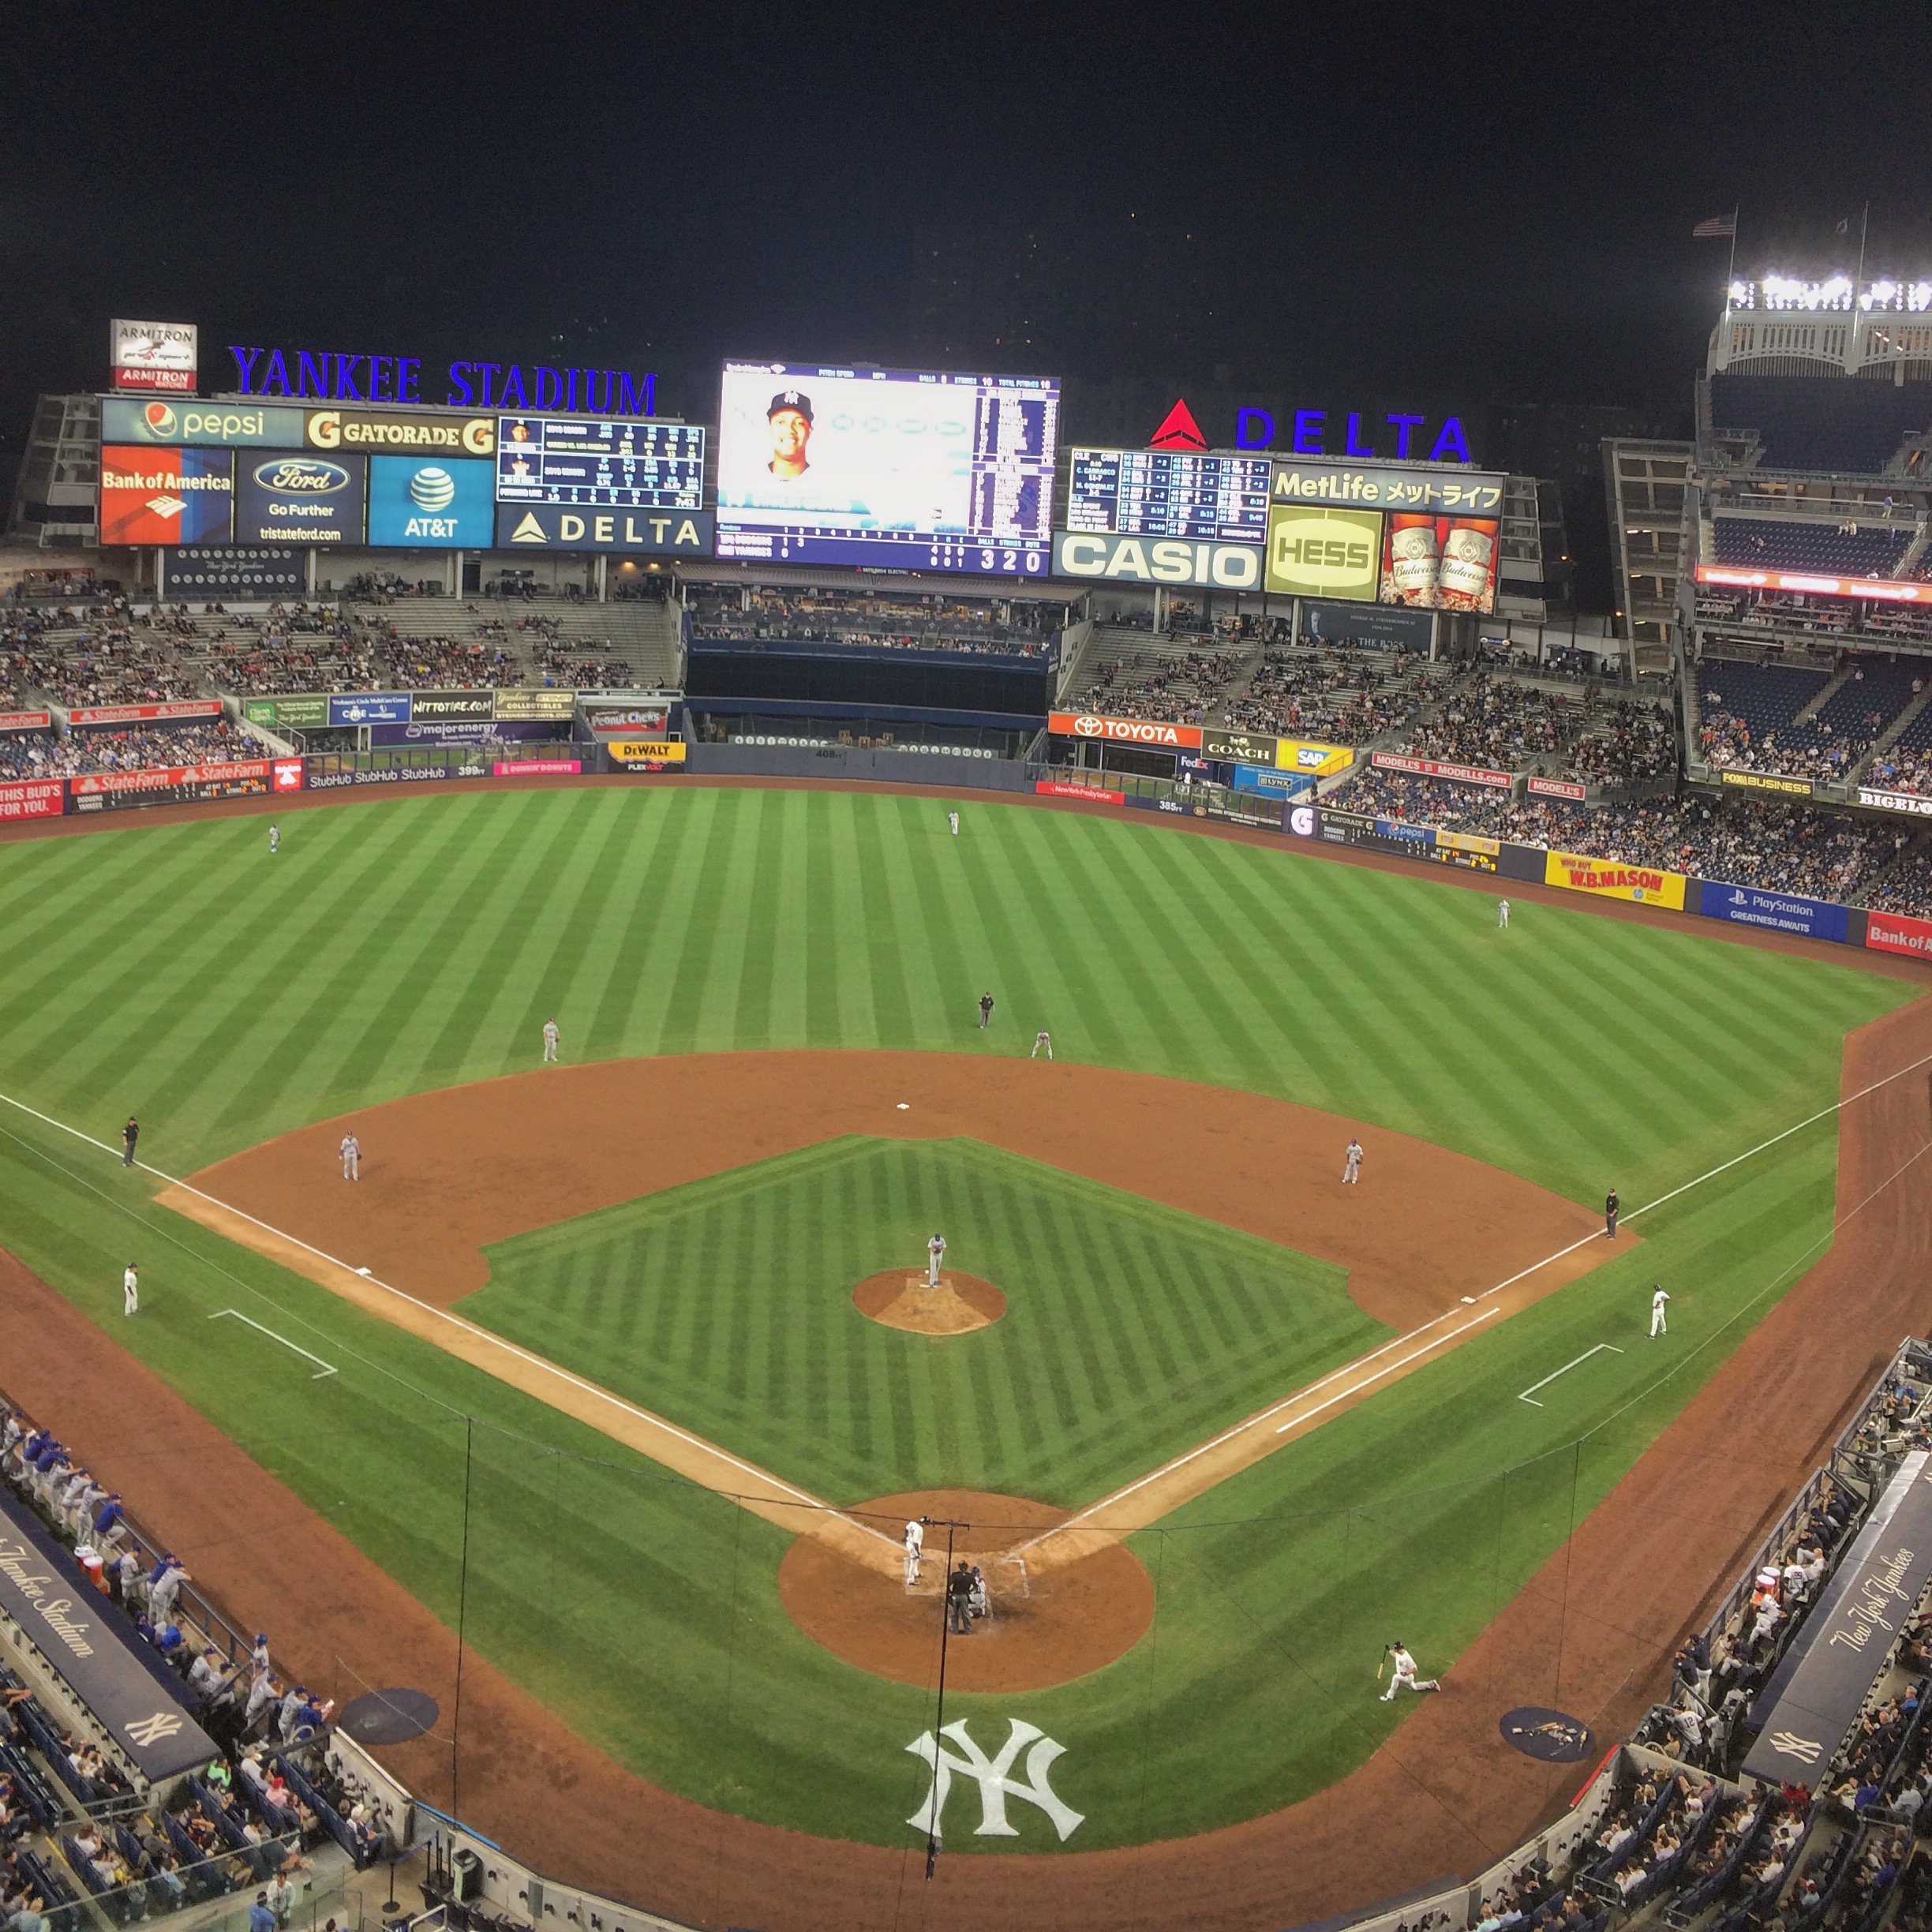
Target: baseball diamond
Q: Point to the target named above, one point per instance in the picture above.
(629, 1382)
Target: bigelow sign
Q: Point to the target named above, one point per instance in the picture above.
(1124, 730)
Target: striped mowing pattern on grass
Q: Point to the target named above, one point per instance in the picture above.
(1131, 1330)
(179, 972)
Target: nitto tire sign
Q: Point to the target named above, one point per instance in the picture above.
(1085, 554)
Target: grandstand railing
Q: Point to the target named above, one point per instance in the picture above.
(149, 1551)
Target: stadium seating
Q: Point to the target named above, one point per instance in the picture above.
(1829, 550)
(1820, 423)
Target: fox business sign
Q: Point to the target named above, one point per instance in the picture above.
(1088, 555)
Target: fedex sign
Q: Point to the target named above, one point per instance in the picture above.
(1409, 437)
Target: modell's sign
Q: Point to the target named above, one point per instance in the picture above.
(153, 355)
(1124, 730)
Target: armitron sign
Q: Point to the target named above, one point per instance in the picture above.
(1124, 730)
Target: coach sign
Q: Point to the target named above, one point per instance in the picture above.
(72, 1626)
(1815, 1693)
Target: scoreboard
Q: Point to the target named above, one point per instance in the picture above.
(572, 459)
(1169, 494)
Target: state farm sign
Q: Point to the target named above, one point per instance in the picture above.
(1124, 730)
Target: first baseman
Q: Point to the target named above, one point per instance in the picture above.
(351, 1151)
(915, 1547)
(1405, 1677)
(130, 1290)
(551, 1037)
(1351, 1172)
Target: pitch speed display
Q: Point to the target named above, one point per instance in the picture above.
(573, 459)
(1169, 494)
(892, 469)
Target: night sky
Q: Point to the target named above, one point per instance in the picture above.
(1338, 202)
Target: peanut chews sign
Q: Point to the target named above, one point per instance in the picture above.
(133, 1696)
(1803, 1715)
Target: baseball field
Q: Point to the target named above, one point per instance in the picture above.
(604, 1397)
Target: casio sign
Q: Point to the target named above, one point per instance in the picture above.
(301, 476)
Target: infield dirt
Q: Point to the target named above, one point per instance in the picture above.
(1591, 1633)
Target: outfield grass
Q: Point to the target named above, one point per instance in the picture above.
(177, 971)
(1133, 1331)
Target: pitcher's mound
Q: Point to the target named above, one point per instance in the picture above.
(1046, 1625)
(960, 1303)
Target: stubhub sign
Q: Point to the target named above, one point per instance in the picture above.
(437, 502)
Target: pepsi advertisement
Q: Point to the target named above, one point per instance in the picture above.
(435, 502)
(285, 497)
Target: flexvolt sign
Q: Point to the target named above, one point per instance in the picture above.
(1156, 560)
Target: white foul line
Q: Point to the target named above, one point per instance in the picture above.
(483, 1335)
(327, 1368)
(1528, 1393)
(1179, 1461)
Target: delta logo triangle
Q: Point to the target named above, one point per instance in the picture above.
(1179, 430)
(530, 530)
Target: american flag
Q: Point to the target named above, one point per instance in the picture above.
(1717, 228)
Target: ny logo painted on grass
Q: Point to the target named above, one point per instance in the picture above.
(996, 1786)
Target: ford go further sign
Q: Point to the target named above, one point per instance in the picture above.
(297, 497)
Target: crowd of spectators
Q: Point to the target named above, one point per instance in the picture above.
(96, 655)
(1772, 845)
(932, 622)
(42, 755)
(1495, 722)
(67, 1810)
(1627, 741)
(1334, 693)
(1180, 690)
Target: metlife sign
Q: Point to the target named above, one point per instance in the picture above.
(1088, 555)
(637, 533)
(445, 502)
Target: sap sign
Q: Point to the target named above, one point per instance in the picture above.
(1406, 437)
(557, 527)
(1156, 560)
(441, 503)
